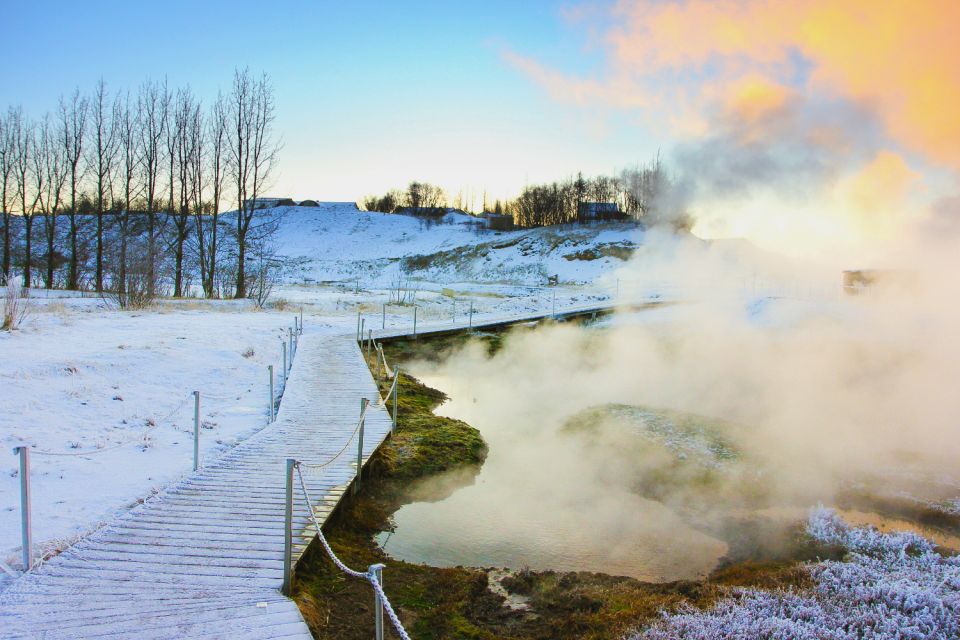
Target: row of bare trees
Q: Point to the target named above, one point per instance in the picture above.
(129, 188)
(417, 197)
(644, 193)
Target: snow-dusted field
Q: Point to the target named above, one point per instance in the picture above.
(104, 397)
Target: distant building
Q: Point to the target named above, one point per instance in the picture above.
(308, 203)
(499, 221)
(864, 281)
(269, 203)
(599, 212)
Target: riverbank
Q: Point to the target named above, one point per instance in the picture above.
(484, 603)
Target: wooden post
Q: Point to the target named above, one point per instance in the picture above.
(272, 407)
(196, 430)
(288, 530)
(26, 523)
(396, 392)
(363, 407)
(377, 570)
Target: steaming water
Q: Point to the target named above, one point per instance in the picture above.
(524, 511)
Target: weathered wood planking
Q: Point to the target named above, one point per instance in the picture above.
(204, 558)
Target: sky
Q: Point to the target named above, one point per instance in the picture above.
(804, 125)
(369, 95)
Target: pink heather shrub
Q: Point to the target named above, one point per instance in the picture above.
(891, 586)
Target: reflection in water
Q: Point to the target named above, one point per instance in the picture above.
(540, 501)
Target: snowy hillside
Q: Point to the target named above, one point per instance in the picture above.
(335, 242)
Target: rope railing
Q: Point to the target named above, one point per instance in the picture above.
(383, 603)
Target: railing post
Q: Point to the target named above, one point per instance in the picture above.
(363, 407)
(369, 341)
(470, 328)
(26, 524)
(288, 530)
(379, 356)
(296, 327)
(377, 571)
(286, 367)
(363, 329)
(414, 321)
(272, 408)
(358, 326)
(384, 312)
(396, 392)
(290, 340)
(196, 430)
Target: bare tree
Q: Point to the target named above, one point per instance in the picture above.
(6, 173)
(153, 106)
(23, 133)
(73, 126)
(52, 163)
(252, 153)
(103, 155)
(127, 119)
(207, 227)
(184, 124)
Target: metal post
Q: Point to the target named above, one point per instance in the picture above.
(369, 340)
(358, 326)
(288, 530)
(363, 329)
(471, 315)
(414, 321)
(272, 417)
(378, 353)
(363, 407)
(296, 327)
(377, 570)
(290, 340)
(26, 525)
(396, 392)
(196, 430)
(286, 367)
(384, 312)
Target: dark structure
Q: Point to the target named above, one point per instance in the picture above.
(499, 221)
(599, 212)
(308, 203)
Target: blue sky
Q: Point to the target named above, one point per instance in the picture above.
(370, 95)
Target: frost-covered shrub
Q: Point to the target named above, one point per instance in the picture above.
(890, 586)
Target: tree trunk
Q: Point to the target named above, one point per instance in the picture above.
(99, 275)
(28, 220)
(51, 236)
(241, 267)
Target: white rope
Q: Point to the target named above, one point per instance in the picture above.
(367, 575)
(383, 356)
(363, 415)
(393, 386)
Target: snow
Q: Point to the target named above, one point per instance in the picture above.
(891, 585)
(103, 396)
(108, 395)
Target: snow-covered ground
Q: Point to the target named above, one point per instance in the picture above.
(103, 396)
(891, 585)
(104, 400)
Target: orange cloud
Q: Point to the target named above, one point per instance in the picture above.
(900, 57)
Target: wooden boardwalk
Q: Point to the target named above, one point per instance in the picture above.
(204, 558)
(491, 321)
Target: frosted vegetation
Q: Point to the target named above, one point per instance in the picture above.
(888, 586)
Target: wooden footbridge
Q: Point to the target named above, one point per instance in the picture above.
(205, 557)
